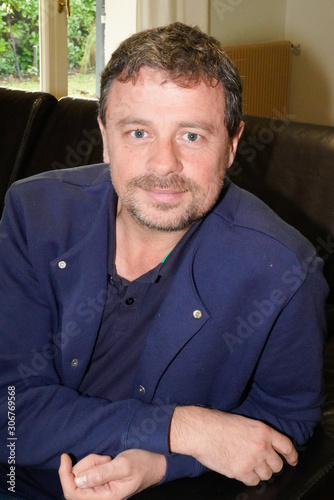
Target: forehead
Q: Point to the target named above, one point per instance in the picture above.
(158, 88)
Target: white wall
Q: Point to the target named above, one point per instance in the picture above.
(247, 21)
(311, 23)
(124, 17)
(120, 23)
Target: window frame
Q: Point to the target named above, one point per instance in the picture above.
(53, 49)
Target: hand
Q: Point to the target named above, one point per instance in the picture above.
(98, 477)
(233, 445)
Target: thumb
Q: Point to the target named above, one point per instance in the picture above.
(65, 465)
(66, 475)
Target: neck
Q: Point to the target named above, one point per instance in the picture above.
(139, 249)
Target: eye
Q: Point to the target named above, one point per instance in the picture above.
(138, 134)
(192, 137)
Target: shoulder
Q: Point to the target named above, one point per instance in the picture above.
(243, 226)
(60, 188)
(89, 175)
(59, 202)
(244, 250)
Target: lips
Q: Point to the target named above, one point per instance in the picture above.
(164, 195)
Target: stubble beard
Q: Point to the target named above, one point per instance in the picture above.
(179, 220)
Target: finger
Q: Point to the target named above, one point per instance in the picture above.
(89, 462)
(66, 475)
(96, 476)
(120, 468)
(275, 462)
(264, 471)
(283, 445)
(250, 479)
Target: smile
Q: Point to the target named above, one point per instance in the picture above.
(164, 195)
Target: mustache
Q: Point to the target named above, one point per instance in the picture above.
(152, 181)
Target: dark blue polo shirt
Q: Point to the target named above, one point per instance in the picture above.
(129, 308)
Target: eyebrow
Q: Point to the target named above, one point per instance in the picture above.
(201, 125)
(133, 120)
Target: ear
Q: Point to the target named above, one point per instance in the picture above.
(234, 143)
(106, 158)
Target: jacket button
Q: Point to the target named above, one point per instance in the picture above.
(62, 264)
(129, 301)
(74, 362)
(197, 314)
(142, 389)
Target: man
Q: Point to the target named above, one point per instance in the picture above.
(163, 317)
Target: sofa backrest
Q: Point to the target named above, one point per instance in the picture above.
(23, 115)
(290, 166)
(71, 137)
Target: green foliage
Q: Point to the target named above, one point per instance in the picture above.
(87, 60)
(80, 25)
(19, 33)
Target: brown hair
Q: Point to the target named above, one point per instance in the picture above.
(187, 54)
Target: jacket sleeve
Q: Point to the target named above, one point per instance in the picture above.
(286, 390)
(50, 418)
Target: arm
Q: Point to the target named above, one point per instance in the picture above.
(286, 394)
(232, 445)
(247, 450)
(32, 349)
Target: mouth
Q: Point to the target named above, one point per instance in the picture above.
(165, 195)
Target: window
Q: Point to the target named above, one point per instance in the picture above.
(36, 35)
(42, 48)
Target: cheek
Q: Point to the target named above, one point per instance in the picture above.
(208, 169)
(210, 177)
(121, 161)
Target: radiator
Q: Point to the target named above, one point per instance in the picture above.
(265, 70)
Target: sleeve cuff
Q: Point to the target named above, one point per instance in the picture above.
(148, 428)
(179, 466)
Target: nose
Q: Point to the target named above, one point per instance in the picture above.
(164, 158)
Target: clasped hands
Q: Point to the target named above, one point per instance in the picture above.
(232, 445)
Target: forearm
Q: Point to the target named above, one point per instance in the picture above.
(185, 434)
(232, 445)
(61, 420)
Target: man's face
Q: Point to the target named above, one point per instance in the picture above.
(168, 149)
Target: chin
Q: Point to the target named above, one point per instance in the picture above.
(167, 224)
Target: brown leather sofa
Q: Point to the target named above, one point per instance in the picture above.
(289, 165)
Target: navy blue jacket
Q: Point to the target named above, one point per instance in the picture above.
(241, 328)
